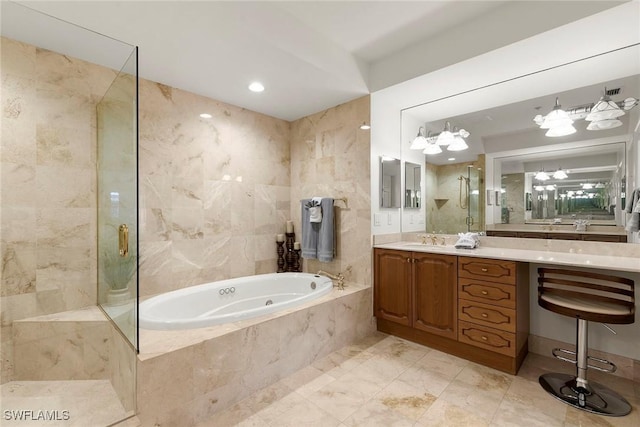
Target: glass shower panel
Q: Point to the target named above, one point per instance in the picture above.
(118, 200)
(475, 217)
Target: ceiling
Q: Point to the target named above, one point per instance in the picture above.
(310, 55)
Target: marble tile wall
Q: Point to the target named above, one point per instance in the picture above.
(47, 184)
(514, 189)
(213, 192)
(330, 157)
(201, 379)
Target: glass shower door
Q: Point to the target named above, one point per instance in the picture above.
(118, 200)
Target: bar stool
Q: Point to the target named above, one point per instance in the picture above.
(588, 297)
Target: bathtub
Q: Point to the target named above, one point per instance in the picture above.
(230, 300)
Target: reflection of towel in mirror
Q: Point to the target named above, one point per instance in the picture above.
(633, 207)
(317, 237)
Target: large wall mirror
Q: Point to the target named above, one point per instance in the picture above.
(497, 178)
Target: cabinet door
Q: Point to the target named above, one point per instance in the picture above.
(436, 294)
(392, 285)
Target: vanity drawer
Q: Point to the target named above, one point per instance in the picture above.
(487, 315)
(487, 269)
(488, 292)
(487, 338)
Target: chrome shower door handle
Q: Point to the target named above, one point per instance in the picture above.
(123, 240)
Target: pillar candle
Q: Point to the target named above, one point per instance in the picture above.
(280, 238)
(296, 245)
(289, 226)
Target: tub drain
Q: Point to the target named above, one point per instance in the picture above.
(269, 302)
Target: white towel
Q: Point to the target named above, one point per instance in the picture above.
(315, 211)
(467, 241)
(633, 208)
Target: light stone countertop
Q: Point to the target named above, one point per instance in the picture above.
(573, 257)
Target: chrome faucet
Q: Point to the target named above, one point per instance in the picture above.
(433, 239)
(339, 278)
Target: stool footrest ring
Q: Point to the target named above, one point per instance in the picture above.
(556, 354)
(611, 367)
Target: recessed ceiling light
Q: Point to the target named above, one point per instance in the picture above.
(256, 87)
(451, 159)
(206, 115)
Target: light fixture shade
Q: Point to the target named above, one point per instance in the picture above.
(541, 176)
(432, 148)
(560, 174)
(419, 142)
(365, 126)
(604, 124)
(445, 138)
(604, 109)
(556, 118)
(561, 131)
(458, 144)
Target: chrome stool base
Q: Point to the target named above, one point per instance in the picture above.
(595, 398)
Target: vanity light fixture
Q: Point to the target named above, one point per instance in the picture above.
(453, 140)
(458, 143)
(560, 174)
(420, 141)
(557, 122)
(365, 126)
(604, 109)
(432, 148)
(445, 137)
(541, 176)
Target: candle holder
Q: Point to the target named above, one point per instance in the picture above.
(289, 256)
(296, 262)
(280, 250)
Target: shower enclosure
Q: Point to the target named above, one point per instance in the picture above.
(68, 284)
(455, 197)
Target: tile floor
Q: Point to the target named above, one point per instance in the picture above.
(387, 381)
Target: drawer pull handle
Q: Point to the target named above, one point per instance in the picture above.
(485, 293)
(484, 270)
(484, 338)
(484, 315)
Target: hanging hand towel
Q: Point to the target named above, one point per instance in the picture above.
(309, 247)
(326, 231)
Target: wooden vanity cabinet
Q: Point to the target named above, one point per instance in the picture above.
(435, 301)
(392, 286)
(417, 289)
(471, 307)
